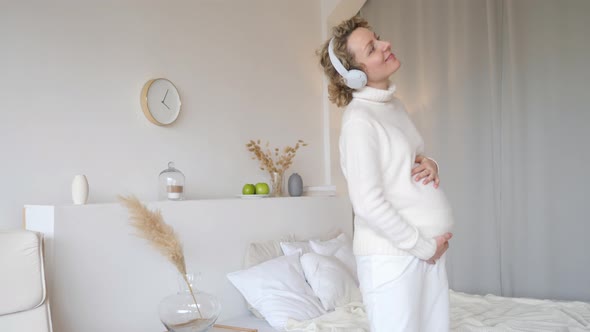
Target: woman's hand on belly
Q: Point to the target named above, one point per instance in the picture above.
(426, 170)
(442, 244)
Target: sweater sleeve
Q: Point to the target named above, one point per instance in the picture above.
(359, 150)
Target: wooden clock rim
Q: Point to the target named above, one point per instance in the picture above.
(144, 105)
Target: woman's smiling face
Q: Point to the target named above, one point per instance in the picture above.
(374, 55)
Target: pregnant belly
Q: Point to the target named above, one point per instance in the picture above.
(423, 206)
(430, 222)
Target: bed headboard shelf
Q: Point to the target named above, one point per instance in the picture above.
(101, 277)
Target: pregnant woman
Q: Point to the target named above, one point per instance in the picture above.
(402, 217)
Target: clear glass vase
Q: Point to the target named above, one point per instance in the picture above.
(276, 181)
(189, 310)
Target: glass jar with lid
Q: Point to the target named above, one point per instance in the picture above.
(171, 184)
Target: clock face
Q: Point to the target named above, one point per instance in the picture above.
(160, 101)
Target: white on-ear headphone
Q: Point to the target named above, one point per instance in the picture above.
(354, 79)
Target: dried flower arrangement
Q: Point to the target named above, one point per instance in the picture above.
(151, 227)
(273, 160)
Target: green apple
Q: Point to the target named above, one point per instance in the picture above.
(248, 189)
(262, 188)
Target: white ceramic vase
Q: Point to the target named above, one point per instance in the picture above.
(80, 190)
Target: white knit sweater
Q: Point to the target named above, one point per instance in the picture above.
(394, 214)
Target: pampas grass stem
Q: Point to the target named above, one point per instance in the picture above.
(150, 226)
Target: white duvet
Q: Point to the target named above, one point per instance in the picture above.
(496, 313)
(348, 318)
(472, 313)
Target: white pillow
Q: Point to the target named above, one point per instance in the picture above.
(291, 248)
(339, 247)
(330, 280)
(277, 289)
(329, 247)
(259, 252)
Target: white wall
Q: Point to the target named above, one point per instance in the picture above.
(72, 73)
(333, 13)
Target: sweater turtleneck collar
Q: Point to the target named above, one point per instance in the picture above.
(376, 95)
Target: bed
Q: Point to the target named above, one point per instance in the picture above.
(74, 243)
(469, 313)
(495, 313)
(489, 313)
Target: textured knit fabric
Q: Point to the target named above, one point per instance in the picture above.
(394, 214)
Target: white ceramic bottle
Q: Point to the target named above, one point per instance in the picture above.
(80, 190)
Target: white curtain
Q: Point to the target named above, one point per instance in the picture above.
(499, 90)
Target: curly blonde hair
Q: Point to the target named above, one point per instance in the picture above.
(338, 92)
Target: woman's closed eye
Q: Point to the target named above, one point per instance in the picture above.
(372, 48)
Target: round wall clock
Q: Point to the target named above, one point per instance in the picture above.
(160, 101)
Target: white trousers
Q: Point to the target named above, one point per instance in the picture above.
(404, 293)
